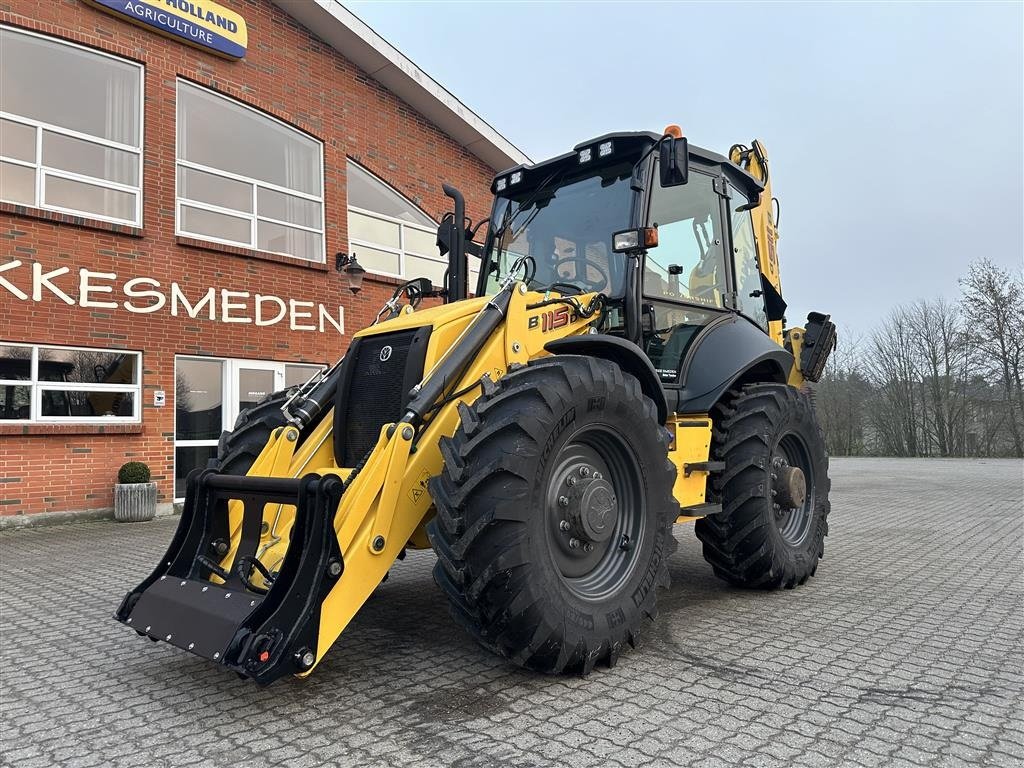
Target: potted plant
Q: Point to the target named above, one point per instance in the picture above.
(134, 494)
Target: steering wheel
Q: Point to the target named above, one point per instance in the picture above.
(590, 285)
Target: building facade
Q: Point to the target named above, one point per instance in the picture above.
(176, 179)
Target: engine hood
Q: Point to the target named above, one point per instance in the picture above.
(433, 316)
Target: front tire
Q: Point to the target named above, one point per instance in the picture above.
(774, 490)
(238, 449)
(554, 514)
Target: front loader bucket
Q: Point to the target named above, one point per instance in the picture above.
(219, 612)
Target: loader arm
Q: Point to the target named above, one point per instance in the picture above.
(382, 505)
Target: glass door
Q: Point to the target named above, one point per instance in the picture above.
(209, 395)
(251, 382)
(199, 414)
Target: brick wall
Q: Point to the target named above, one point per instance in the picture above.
(286, 72)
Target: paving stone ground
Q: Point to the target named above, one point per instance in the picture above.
(906, 649)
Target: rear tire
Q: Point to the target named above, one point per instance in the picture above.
(563, 439)
(764, 538)
(238, 449)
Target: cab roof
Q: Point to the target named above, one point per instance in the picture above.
(630, 144)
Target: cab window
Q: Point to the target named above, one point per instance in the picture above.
(689, 262)
(749, 295)
(669, 330)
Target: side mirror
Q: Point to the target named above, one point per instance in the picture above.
(674, 161)
(421, 286)
(446, 234)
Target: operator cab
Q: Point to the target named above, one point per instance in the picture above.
(561, 216)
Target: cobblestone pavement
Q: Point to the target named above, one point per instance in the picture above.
(906, 649)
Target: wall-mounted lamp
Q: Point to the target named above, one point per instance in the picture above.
(350, 267)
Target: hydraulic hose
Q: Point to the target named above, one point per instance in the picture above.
(310, 406)
(451, 369)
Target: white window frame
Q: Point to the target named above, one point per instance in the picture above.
(229, 406)
(38, 387)
(401, 251)
(42, 171)
(253, 216)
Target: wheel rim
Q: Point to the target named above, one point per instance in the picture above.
(594, 510)
(792, 471)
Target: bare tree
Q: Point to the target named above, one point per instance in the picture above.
(940, 338)
(842, 396)
(891, 361)
(994, 302)
(935, 378)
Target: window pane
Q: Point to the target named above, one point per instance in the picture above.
(89, 198)
(668, 333)
(77, 404)
(215, 190)
(424, 243)
(88, 366)
(254, 385)
(15, 402)
(688, 264)
(277, 238)
(17, 141)
(100, 99)
(17, 184)
(198, 399)
(88, 159)
(15, 362)
(417, 267)
(374, 260)
(748, 275)
(299, 374)
(367, 191)
(384, 233)
(187, 458)
(294, 210)
(196, 221)
(220, 133)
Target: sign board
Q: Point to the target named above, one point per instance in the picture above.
(146, 295)
(201, 23)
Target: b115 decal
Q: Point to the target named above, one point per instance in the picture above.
(552, 319)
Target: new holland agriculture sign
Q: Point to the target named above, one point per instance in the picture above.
(200, 22)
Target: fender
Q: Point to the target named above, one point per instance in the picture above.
(627, 356)
(724, 354)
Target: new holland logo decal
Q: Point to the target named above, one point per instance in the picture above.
(202, 23)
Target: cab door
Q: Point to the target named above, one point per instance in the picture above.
(686, 277)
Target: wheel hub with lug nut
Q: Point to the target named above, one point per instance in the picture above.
(592, 509)
(592, 504)
(789, 486)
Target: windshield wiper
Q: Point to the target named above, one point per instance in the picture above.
(508, 219)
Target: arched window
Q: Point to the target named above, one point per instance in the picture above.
(388, 233)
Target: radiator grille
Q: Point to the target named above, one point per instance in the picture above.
(376, 391)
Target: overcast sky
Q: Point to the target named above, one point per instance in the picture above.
(894, 130)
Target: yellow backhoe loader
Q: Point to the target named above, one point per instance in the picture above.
(624, 366)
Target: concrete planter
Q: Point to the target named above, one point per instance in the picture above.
(135, 502)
